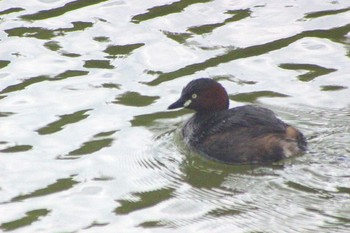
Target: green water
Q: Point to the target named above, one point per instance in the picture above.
(86, 142)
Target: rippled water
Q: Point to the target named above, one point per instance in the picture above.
(87, 144)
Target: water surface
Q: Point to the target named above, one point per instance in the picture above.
(87, 144)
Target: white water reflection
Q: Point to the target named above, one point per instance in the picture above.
(87, 144)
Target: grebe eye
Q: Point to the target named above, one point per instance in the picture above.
(194, 96)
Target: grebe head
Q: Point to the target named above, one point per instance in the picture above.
(203, 95)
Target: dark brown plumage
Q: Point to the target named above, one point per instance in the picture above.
(245, 134)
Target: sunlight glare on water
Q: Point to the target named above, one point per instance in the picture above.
(87, 143)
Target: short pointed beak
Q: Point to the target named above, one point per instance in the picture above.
(178, 104)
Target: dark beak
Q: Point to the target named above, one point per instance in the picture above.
(178, 104)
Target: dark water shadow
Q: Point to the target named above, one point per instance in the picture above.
(11, 10)
(59, 186)
(314, 71)
(29, 218)
(102, 39)
(252, 97)
(56, 47)
(46, 34)
(179, 37)
(63, 120)
(317, 14)
(144, 200)
(91, 147)
(135, 99)
(33, 80)
(68, 7)
(4, 63)
(121, 51)
(95, 224)
(98, 142)
(6, 114)
(208, 28)
(335, 34)
(17, 148)
(98, 64)
(332, 88)
(52, 45)
(167, 9)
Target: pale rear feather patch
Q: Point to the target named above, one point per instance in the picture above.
(290, 147)
(291, 132)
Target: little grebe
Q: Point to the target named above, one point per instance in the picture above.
(245, 134)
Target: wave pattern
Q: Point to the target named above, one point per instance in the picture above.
(87, 144)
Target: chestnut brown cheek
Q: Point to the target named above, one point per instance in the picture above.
(204, 104)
